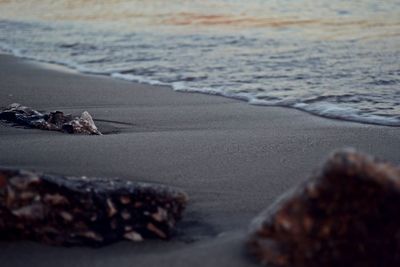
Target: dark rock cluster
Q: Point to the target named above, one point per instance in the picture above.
(81, 211)
(53, 121)
(346, 215)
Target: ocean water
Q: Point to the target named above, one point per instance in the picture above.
(333, 58)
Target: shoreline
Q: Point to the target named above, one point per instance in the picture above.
(233, 159)
(64, 67)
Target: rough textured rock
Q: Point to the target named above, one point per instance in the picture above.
(53, 121)
(347, 215)
(80, 211)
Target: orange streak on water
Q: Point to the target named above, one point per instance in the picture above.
(221, 20)
(193, 19)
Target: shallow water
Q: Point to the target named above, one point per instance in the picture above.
(338, 59)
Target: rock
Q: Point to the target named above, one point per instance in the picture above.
(81, 211)
(83, 125)
(53, 121)
(347, 215)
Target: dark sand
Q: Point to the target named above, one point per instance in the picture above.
(232, 158)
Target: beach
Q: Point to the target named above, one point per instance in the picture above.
(233, 159)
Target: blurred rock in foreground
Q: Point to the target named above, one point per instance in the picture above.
(81, 211)
(53, 121)
(347, 215)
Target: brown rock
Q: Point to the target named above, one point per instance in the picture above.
(347, 215)
(53, 121)
(81, 211)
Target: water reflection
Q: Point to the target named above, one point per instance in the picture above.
(341, 18)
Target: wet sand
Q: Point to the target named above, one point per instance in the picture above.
(233, 159)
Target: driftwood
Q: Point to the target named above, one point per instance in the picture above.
(347, 215)
(81, 211)
(53, 121)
